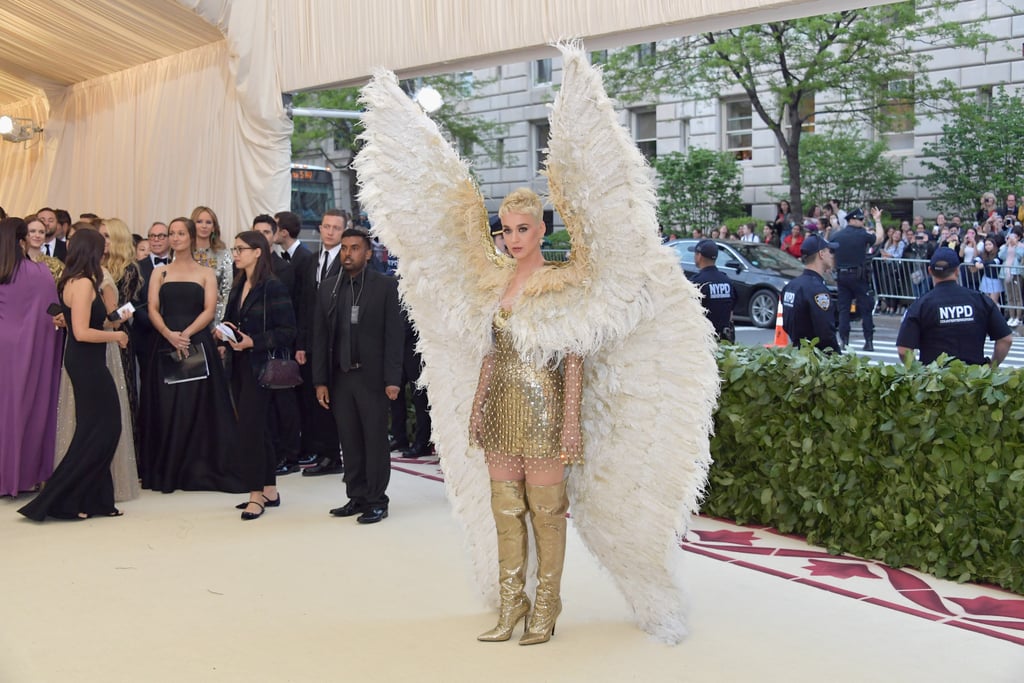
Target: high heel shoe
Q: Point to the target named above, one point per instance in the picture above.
(548, 505)
(246, 516)
(508, 504)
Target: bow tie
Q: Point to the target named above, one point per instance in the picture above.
(157, 260)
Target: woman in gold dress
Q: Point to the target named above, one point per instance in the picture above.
(33, 248)
(527, 420)
(213, 253)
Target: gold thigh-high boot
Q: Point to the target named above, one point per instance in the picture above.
(548, 505)
(508, 503)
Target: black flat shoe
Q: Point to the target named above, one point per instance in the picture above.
(347, 510)
(373, 515)
(246, 516)
(276, 503)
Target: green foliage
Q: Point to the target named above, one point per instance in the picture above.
(735, 222)
(912, 465)
(978, 152)
(846, 167)
(700, 189)
(786, 68)
(559, 239)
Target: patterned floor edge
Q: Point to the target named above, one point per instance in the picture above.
(986, 610)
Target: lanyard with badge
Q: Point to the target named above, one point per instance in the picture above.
(354, 316)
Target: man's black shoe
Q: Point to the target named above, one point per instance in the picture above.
(347, 510)
(286, 468)
(308, 460)
(419, 451)
(868, 345)
(325, 466)
(396, 445)
(373, 515)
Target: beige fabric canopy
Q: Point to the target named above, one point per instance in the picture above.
(151, 107)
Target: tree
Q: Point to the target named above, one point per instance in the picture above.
(698, 189)
(846, 167)
(856, 65)
(978, 152)
(465, 130)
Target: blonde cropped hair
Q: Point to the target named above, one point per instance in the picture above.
(122, 247)
(522, 200)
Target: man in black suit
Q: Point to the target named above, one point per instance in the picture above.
(357, 367)
(319, 431)
(143, 334)
(285, 420)
(53, 246)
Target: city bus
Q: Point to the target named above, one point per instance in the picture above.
(312, 194)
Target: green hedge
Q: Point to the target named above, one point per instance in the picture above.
(919, 466)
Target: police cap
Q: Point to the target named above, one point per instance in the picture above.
(706, 248)
(944, 261)
(855, 215)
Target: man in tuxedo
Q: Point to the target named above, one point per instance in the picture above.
(357, 367)
(319, 431)
(143, 334)
(285, 420)
(52, 246)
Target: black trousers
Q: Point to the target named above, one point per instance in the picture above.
(854, 286)
(253, 405)
(399, 411)
(285, 425)
(319, 430)
(360, 408)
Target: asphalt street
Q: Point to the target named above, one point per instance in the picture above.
(886, 327)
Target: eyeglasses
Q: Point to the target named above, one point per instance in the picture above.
(239, 250)
(158, 236)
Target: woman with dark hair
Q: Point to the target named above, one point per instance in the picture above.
(260, 314)
(29, 365)
(81, 486)
(186, 426)
(783, 219)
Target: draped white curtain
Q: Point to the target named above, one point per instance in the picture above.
(206, 126)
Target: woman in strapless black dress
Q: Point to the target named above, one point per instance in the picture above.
(188, 433)
(81, 486)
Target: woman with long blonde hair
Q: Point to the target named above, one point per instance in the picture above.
(211, 252)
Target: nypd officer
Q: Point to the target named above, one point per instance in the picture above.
(806, 305)
(952, 319)
(716, 290)
(852, 273)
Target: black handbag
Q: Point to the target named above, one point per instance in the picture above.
(277, 373)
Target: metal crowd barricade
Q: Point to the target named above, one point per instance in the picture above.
(900, 281)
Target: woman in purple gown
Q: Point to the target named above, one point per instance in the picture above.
(29, 365)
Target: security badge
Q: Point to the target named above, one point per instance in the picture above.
(822, 300)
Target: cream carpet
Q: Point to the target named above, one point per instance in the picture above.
(179, 589)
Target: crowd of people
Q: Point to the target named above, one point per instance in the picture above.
(156, 361)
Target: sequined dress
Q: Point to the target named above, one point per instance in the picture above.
(522, 413)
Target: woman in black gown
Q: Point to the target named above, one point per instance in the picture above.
(81, 486)
(188, 430)
(259, 310)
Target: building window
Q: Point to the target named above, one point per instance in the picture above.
(645, 53)
(541, 132)
(645, 132)
(499, 151)
(805, 109)
(739, 132)
(465, 147)
(984, 96)
(542, 72)
(898, 114)
(599, 57)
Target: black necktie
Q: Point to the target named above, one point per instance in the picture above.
(286, 256)
(157, 260)
(323, 269)
(48, 250)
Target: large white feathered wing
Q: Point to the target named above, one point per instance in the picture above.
(649, 393)
(425, 207)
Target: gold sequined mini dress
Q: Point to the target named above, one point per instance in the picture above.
(522, 415)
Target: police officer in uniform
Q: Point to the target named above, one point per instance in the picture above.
(952, 319)
(806, 305)
(717, 292)
(852, 274)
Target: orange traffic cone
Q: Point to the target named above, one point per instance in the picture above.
(781, 338)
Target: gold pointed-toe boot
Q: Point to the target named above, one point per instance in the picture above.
(508, 504)
(548, 505)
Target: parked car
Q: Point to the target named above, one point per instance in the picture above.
(758, 271)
